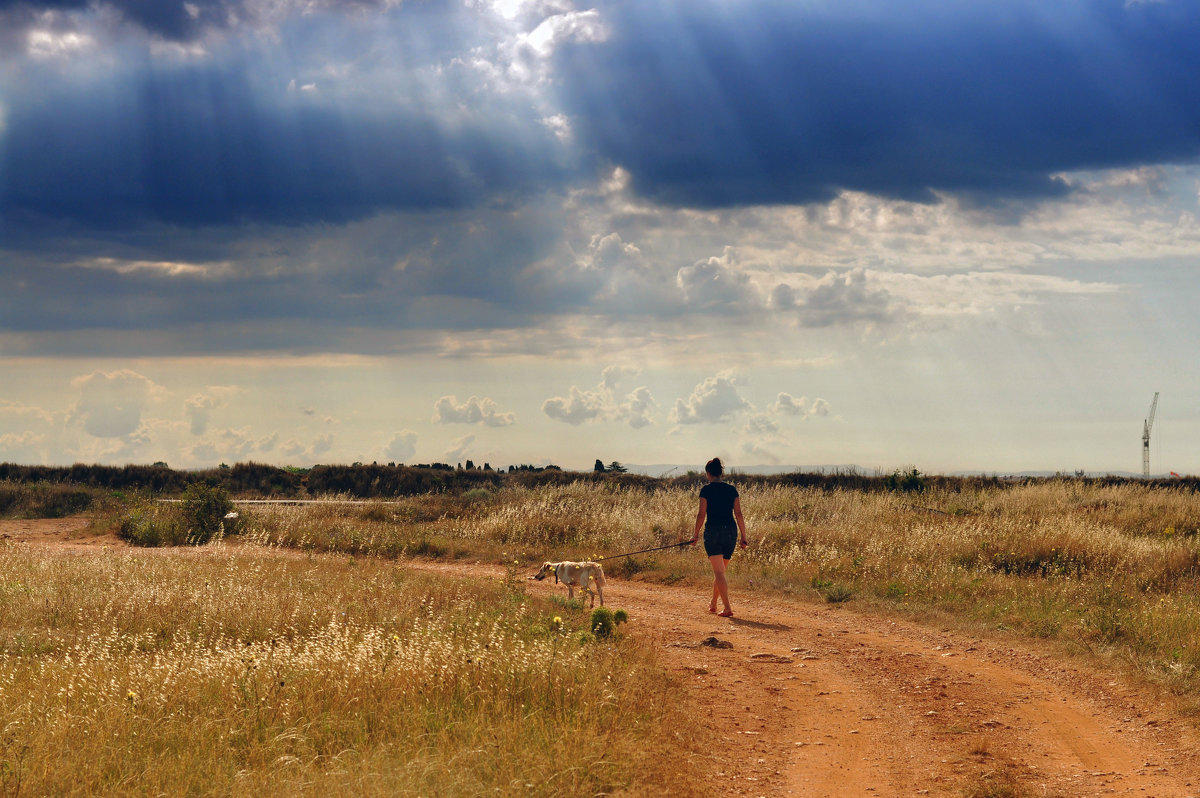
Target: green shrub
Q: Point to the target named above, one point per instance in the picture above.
(195, 520)
(912, 481)
(205, 509)
(150, 524)
(605, 621)
(837, 593)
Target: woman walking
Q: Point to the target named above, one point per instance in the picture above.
(721, 506)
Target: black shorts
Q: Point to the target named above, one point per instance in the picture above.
(720, 540)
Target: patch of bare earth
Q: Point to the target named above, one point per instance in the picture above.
(824, 701)
(56, 533)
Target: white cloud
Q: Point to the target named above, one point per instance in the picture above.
(459, 448)
(474, 410)
(761, 424)
(198, 407)
(46, 44)
(713, 400)
(578, 407)
(976, 293)
(639, 408)
(23, 414)
(839, 299)
(402, 446)
(25, 447)
(614, 374)
(787, 405)
(558, 124)
(293, 448)
(162, 268)
(716, 284)
(577, 26)
(111, 404)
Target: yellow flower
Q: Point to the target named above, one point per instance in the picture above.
(131, 696)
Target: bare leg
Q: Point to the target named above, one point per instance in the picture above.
(720, 586)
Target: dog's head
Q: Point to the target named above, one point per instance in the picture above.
(546, 569)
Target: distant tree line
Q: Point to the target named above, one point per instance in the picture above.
(375, 480)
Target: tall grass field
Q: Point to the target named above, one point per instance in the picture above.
(296, 654)
(214, 671)
(1109, 569)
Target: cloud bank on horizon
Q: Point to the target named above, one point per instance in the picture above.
(725, 190)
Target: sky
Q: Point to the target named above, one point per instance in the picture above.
(955, 235)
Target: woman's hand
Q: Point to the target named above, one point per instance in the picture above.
(744, 543)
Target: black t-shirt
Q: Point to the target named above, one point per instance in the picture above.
(720, 497)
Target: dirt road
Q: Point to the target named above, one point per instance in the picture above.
(818, 700)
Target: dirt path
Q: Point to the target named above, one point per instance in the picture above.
(815, 700)
(824, 701)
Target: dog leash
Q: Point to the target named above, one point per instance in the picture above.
(678, 545)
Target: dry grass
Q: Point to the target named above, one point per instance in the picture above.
(222, 670)
(212, 671)
(1112, 569)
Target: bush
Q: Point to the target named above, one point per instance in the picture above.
(150, 524)
(605, 621)
(205, 508)
(900, 481)
(195, 520)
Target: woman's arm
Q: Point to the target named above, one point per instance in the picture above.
(700, 520)
(741, 522)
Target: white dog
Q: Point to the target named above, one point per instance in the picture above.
(576, 575)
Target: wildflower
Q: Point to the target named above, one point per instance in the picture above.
(131, 696)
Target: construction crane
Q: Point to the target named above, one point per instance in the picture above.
(1149, 422)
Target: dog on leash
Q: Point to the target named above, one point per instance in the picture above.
(576, 575)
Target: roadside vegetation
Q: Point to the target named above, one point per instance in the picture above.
(334, 669)
(1112, 569)
(221, 671)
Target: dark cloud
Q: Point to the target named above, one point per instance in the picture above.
(716, 103)
(197, 146)
(172, 20)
